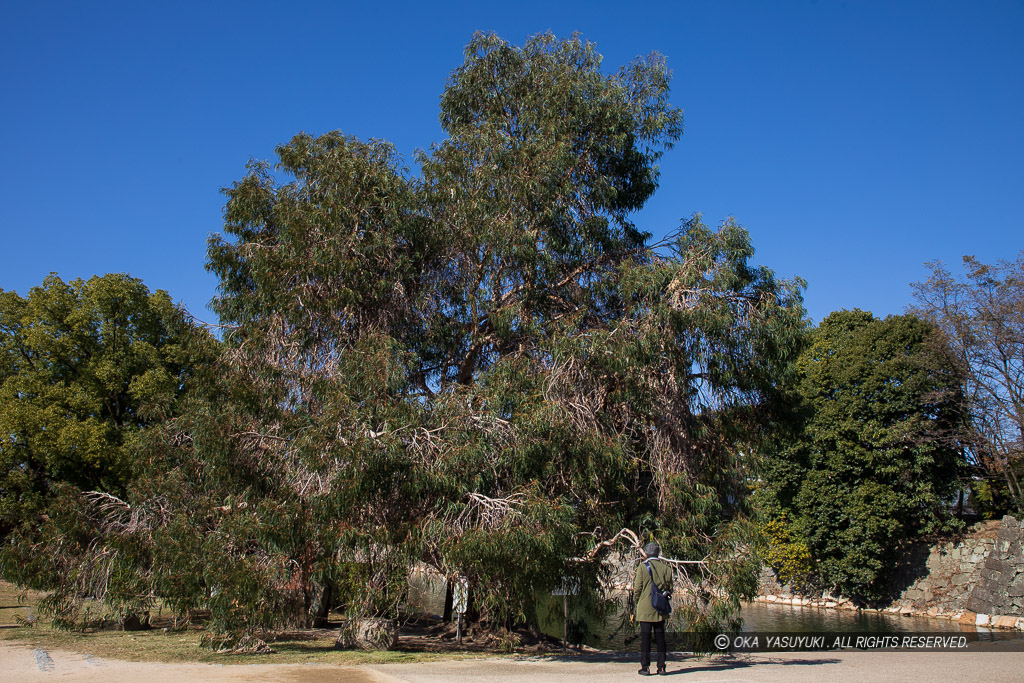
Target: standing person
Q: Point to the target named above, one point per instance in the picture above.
(650, 620)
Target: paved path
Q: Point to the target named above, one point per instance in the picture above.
(833, 667)
(22, 663)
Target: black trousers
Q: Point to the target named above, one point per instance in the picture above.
(645, 642)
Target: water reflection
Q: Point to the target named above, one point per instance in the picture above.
(614, 632)
(795, 619)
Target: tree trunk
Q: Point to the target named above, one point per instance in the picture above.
(323, 611)
(449, 597)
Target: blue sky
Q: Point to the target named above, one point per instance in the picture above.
(854, 140)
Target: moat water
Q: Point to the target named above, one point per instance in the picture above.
(616, 633)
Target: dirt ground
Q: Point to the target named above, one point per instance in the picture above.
(427, 654)
(24, 663)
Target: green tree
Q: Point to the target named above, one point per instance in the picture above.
(545, 158)
(484, 367)
(85, 368)
(412, 320)
(873, 460)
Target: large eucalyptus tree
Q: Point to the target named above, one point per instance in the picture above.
(484, 366)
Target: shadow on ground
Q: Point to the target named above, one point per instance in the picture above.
(708, 663)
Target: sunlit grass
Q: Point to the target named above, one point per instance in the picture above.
(160, 645)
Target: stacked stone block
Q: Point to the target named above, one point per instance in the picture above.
(1000, 587)
(953, 569)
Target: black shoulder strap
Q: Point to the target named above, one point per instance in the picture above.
(653, 582)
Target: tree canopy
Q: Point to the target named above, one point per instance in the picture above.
(871, 458)
(86, 367)
(484, 367)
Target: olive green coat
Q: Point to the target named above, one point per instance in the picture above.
(642, 588)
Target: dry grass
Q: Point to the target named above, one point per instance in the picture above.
(159, 645)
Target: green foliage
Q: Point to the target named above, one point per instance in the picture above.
(872, 462)
(787, 555)
(484, 367)
(992, 498)
(85, 367)
(89, 368)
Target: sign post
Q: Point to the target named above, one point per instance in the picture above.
(460, 600)
(570, 586)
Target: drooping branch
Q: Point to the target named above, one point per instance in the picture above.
(488, 513)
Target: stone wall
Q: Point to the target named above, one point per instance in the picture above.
(976, 579)
(1000, 588)
(952, 570)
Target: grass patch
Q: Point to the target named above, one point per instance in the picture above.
(158, 645)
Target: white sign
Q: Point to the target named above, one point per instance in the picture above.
(460, 595)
